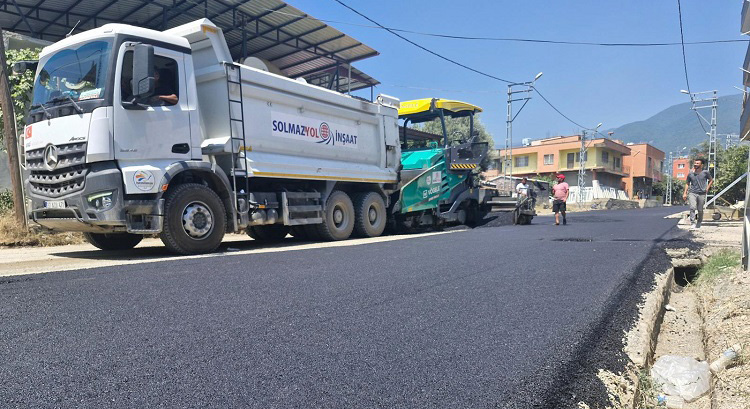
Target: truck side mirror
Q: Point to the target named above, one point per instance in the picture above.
(21, 67)
(143, 71)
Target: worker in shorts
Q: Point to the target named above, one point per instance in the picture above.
(560, 193)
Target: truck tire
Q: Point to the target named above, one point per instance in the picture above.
(369, 214)
(272, 232)
(113, 241)
(194, 220)
(299, 232)
(312, 232)
(338, 222)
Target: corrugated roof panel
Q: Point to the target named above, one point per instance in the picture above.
(293, 40)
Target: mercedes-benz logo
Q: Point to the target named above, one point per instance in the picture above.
(50, 157)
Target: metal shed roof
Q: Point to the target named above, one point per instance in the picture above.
(328, 79)
(300, 45)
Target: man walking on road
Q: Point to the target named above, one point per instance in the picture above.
(698, 183)
(560, 193)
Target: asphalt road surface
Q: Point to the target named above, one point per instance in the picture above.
(489, 317)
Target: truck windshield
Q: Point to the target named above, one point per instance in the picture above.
(73, 73)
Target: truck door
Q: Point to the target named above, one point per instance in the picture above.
(159, 132)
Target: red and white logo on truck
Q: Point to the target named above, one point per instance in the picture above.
(313, 130)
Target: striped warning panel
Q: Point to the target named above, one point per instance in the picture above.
(463, 166)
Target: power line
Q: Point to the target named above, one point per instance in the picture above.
(684, 62)
(460, 64)
(421, 47)
(514, 39)
(473, 91)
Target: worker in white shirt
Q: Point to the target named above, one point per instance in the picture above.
(522, 188)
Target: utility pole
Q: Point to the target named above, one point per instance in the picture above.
(9, 131)
(732, 139)
(582, 156)
(712, 142)
(581, 168)
(668, 193)
(705, 100)
(527, 88)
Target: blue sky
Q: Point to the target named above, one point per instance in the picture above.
(614, 86)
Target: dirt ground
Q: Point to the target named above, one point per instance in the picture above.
(701, 319)
(711, 314)
(13, 234)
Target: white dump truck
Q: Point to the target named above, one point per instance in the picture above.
(133, 131)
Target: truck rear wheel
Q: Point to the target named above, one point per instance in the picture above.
(338, 222)
(272, 232)
(194, 220)
(369, 214)
(312, 232)
(113, 241)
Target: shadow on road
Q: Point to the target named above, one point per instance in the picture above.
(158, 251)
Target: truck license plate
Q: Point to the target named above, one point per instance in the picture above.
(54, 204)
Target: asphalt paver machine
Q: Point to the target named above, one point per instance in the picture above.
(438, 180)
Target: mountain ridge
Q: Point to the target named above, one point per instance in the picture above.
(678, 126)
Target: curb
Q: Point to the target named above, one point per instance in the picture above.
(641, 342)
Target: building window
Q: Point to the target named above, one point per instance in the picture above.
(649, 163)
(605, 157)
(549, 159)
(680, 175)
(680, 166)
(617, 162)
(578, 156)
(522, 161)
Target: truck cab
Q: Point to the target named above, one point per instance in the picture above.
(94, 154)
(133, 131)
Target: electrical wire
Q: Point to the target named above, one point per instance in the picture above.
(463, 65)
(422, 47)
(684, 64)
(471, 91)
(513, 39)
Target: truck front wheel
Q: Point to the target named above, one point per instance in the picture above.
(113, 241)
(194, 220)
(370, 214)
(338, 222)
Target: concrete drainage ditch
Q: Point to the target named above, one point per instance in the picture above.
(698, 314)
(676, 329)
(669, 323)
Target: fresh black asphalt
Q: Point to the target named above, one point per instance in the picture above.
(489, 317)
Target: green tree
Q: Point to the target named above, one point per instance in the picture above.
(732, 164)
(457, 130)
(20, 86)
(660, 189)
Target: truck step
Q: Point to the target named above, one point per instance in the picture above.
(309, 220)
(304, 208)
(239, 172)
(302, 195)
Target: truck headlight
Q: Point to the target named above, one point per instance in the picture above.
(101, 200)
